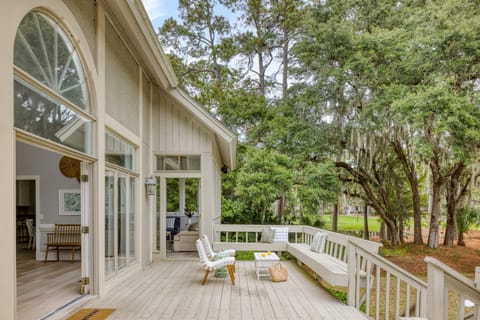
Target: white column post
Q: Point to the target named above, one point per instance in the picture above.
(181, 195)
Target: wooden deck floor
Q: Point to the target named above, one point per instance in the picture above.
(172, 290)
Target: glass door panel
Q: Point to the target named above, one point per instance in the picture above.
(131, 223)
(109, 223)
(122, 222)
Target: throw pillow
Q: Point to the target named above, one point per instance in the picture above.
(266, 236)
(280, 235)
(318, 242)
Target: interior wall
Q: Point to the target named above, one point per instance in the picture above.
(43, 163)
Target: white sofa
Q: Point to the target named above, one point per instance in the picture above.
(185, 241)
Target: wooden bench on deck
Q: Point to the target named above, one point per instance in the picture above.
(329, 265)
(64, 236)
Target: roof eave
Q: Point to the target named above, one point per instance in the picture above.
(133, 18)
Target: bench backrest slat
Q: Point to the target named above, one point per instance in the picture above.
(65, 234)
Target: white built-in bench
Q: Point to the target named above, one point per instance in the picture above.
(330, 265)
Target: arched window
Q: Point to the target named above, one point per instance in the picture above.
(51, 92)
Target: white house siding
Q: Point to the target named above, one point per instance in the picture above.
(122, 81)
(85, 14)
(146, 171)
(175, 131)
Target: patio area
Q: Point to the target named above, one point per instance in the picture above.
(171, 289)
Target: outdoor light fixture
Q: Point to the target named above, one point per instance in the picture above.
(150, 186)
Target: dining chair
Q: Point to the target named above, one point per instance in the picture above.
(31, 233)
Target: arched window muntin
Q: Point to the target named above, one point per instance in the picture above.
(51, 89)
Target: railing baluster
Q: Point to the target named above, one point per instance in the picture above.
(357, 281)
(407, 301)
(368, 288)
(377, 294)
(417, 303)
(387, 296)
(460, 307)
(397, 299)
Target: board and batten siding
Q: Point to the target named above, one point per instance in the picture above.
(122, 82)
(177, 132)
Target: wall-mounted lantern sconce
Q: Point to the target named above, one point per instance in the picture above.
(150, 186)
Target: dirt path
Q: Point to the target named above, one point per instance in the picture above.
(462, 259)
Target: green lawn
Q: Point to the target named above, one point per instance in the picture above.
(353, 223)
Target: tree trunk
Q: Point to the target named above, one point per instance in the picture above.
(335, 217)
(365, 222)
(286, 45)
(410, 170)
(433, 234)
(393, 232)
(383, 231)
(454, 196)
(461, 242)
(417, 216)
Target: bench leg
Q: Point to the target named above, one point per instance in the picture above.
(46, 255)
(58, 253)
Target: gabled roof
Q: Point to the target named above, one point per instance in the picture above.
(133, 18)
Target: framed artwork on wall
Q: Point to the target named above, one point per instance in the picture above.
(69, 202)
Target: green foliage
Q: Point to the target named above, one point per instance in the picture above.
(383, 89)
(393, 251)
(318, 184)
(245, 256)
(264, 177)
(340, 295)
(314, 221)
(191, 192)
(467, 217)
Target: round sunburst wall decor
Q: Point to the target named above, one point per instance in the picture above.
(69, 167)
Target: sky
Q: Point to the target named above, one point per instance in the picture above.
(159, 10)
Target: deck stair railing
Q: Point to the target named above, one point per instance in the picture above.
(391, 292)
(448, 289)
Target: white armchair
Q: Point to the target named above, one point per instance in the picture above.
(208, 265)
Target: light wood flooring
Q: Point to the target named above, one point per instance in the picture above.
(42, 288)
(171, 289)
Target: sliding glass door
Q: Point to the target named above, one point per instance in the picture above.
(119, 221)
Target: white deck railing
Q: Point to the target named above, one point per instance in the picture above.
(391, 292)
(449, 290)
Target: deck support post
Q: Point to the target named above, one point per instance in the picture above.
(436, 293)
